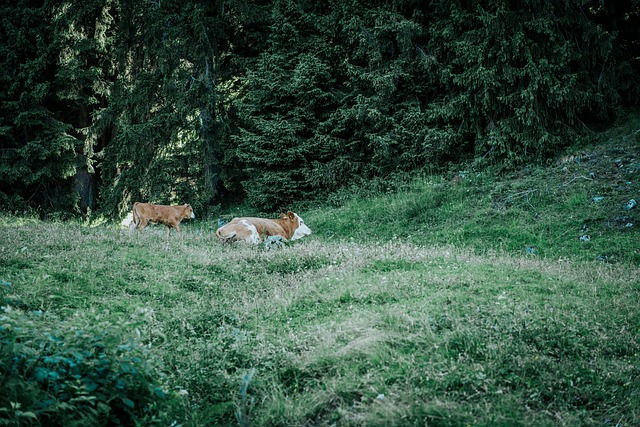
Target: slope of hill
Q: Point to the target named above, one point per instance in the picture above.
(581, 205)
(475, 299)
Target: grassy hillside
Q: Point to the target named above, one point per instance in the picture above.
(540, 210)
(466, 300)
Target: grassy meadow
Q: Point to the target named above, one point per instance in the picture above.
(468, 299)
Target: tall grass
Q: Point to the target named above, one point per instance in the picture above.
(327, 332)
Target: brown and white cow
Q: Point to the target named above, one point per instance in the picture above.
(145, 213)
(253, 230)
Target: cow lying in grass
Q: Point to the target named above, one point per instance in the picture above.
(145, 213)
(253, 230)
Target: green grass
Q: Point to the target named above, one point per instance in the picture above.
(350, 333)
(423, 307)
(539, 209)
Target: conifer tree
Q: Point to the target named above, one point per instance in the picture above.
(335, 97)
(163, 106)
(106, 102)
(518, 77)
(83, 82)
(286, 96)
(37, 150)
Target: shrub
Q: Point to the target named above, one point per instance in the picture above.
(76, 372)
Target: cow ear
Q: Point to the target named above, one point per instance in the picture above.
(283, 216)
(291, 215)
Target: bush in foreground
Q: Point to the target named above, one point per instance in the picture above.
(74, 372)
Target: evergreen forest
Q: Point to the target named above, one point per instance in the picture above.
(275, 102)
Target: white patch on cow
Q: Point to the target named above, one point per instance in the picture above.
(255, 237)
(128, 221)
(193, 215)
(302, 229)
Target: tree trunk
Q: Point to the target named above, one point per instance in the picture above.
(85, 187)
(85, 181)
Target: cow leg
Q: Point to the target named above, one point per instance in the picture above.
(142, 224)
(174, 226)
(229, 238)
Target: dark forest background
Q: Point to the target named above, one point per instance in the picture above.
(268, 103)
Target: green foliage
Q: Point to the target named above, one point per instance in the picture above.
(75, 372)
(37, 149)
(348, 92)
(164, 107)
(218, 102)
(518, 80)
(286, 95)
(332, 99)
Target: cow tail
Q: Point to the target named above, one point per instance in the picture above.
(136, 214)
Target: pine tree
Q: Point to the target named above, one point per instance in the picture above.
(37, 149)
(106, 102)
(286, 94)
(336, 97)
(164, 107)
(517, 77)
(83, 82)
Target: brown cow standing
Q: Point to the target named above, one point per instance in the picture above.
(145, 213)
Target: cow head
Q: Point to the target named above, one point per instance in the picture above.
(301, 229)
(188, 212)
